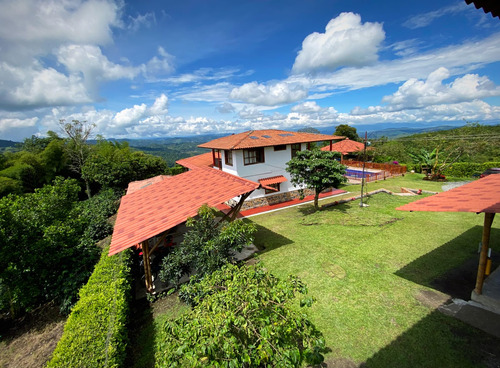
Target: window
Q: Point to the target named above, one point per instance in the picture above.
(295, 149)
(253, 156)
(281, 147)
(275, 186)
(228, 157)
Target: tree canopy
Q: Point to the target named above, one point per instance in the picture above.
(347, 131)
(241, 317)
(317, 170)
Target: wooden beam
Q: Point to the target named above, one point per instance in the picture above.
(488, 220)
(233, 212)
(147, 267)
(158, 242)
(213, 157)
(331, 145)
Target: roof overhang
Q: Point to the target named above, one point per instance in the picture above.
(161, 206)
(266, 182)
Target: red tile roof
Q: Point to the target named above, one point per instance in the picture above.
(482, 195)
(136, 185)
(163, 205)
(203, 160)
(346, 146)
(265, 138)
(266, 182)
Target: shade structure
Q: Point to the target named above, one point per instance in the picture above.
(161, 206)
(266, 182)
(479, 196)
(482, 195)
(345, 147)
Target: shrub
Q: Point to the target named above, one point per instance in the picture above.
(468, 169)
(95, 334)
(241, 317)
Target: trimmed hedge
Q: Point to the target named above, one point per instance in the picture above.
(95, 334)
(468, 169)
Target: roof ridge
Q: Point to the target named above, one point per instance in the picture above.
(242, 139)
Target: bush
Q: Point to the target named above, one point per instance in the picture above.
(241, 317)
(95, 334)
(468, 169)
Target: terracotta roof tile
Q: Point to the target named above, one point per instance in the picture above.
(167, 203)
(203, 160)
(346, 146)
(482, 195)
(265, 138)
(273, 180)
(136, 185)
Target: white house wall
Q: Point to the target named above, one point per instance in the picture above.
(274, 164)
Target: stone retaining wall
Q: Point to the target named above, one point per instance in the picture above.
(274, 199)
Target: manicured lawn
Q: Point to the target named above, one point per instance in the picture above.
(370, 271)
(367, 268)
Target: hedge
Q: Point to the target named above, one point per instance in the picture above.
(468, 169)
(95, 334)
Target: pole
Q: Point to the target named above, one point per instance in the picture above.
(488, 220)
(363, 174)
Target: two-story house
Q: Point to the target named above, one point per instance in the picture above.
(259, 156)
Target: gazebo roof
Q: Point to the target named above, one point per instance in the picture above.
(160, 206)
(346, 146)
(482, 195)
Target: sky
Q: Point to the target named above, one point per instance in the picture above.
(151, 69)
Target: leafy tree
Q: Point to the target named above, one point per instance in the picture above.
(309, 130)
(48, 245)
(347, 131)
(208, 245)
(317, 170)
(78, 150)
(36, 144)
(241, 317)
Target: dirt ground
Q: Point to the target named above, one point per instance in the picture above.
(29, 341)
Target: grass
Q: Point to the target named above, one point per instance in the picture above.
(369, 270)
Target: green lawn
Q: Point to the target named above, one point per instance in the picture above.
(369, 270)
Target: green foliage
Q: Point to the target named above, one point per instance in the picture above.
(317, 170)
(241, 317)
(115, 165)
(48, 246)
(347, 131)
(208, 245)
(95, 334)
(469, 169)
(8, 185)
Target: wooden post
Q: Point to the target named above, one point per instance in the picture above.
(331, 145)
(488, 220)
(147, 266)
(213, 157)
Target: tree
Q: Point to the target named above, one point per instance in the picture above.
(78, 150)
(317, 170)
(347, 131)
(309, 130)
(207, 246)
(241, 317)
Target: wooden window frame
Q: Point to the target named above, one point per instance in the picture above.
(294, 149)
(280, 147)
(252, 156)
(276, 186)
(228, 157)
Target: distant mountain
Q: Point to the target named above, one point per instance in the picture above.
(4, 143)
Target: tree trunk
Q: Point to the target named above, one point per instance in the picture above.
(87, 188)
(316, 196)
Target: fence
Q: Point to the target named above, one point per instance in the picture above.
(387, 170)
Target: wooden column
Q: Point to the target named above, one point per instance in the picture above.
(147, 266)
(331, 145)
(488, 220)
(213, 157)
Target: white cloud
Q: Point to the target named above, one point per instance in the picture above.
(423, 20)
(308, 106)
(141, 20)
(269, 95)
(225, 108)
(415, 93)
(346, 42)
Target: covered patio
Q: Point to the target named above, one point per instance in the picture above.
(481, 196)
(156, 207)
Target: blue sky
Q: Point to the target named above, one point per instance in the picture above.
(143, 69)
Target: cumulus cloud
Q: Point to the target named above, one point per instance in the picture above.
(416, 93)
(225, 108)
(141, 20)
(268, 95)
(308, 106)
(346, 42)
